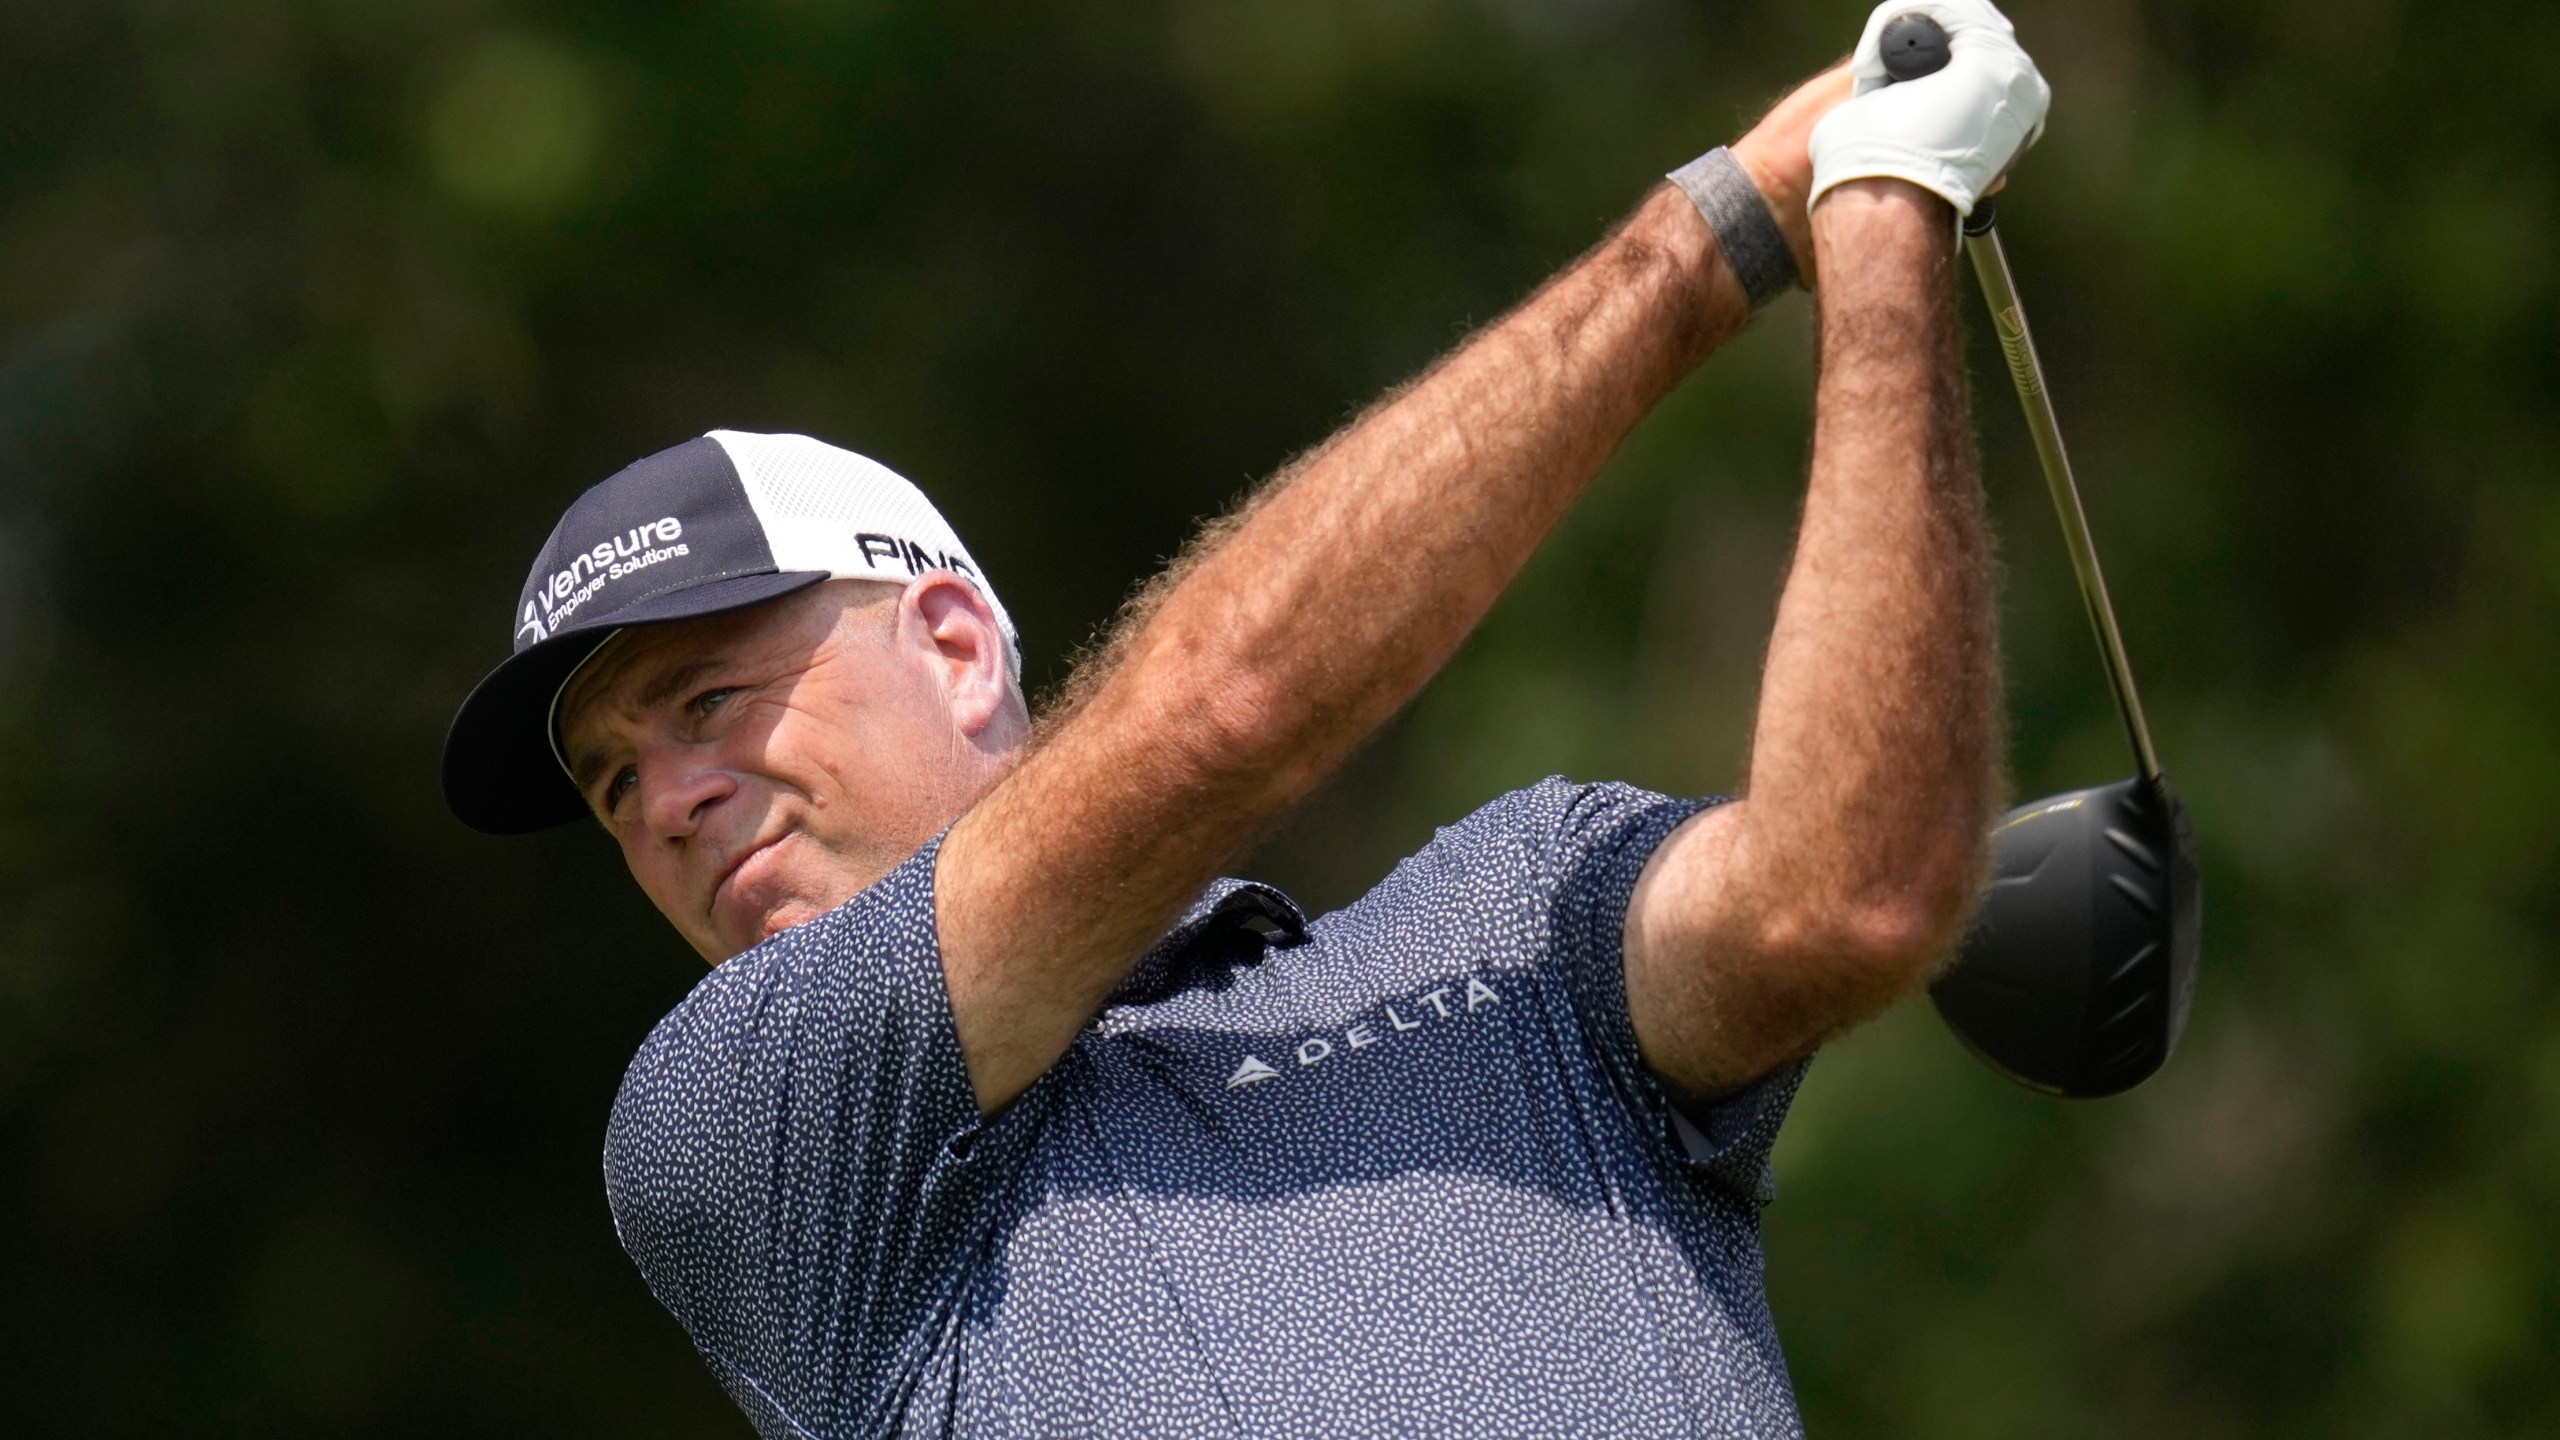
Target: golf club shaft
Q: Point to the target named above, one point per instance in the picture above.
(1991, 266)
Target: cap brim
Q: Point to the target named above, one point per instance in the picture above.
(500, 775)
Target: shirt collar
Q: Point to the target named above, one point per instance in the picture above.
(1231, 923)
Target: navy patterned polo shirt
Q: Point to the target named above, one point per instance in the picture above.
(1396, 1172)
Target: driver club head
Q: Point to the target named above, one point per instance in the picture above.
(2082, 960)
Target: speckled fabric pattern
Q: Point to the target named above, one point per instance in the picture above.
(1397, 1172)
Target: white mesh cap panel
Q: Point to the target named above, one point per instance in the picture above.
(825, 508)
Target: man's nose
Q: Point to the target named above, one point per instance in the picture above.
(678, 788)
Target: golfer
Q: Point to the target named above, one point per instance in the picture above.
(1000, 1115)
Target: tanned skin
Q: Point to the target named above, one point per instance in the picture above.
(1832, 887)
(759, 768)
(1844, 873)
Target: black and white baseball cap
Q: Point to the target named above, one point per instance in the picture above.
(717, 523)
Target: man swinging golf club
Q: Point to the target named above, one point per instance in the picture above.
(1000, 1115)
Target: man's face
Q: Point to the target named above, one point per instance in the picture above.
(762, 767)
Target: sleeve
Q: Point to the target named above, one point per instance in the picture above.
(1596, 841)
(791, 1160)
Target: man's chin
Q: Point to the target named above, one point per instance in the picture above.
(745, 926)
(790, 882)
(779, 920)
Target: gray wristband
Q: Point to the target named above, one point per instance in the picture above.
(1753, 245)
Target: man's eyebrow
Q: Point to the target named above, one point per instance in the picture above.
(674, 682)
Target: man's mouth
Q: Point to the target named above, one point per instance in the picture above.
(738, 862)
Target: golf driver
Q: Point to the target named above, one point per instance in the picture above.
(2081, 966)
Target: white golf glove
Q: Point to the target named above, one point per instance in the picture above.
(1954, 132)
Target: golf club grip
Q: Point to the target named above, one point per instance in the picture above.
(1913, 45)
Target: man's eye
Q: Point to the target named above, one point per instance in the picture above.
(710, 700)
(620, 785)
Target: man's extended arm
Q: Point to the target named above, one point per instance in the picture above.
(1343, 589)
(1840, 877)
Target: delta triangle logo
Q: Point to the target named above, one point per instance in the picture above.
(1251, 1072)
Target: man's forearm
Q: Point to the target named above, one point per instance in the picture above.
(1356, 574)
(1344, 589)
(1821, 896)
(1880, 774)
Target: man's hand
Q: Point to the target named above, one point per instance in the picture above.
(1953, 133)
(1777, 156)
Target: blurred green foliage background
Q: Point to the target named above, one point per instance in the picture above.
(314, 312)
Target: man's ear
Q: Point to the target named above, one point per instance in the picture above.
(947, 613)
